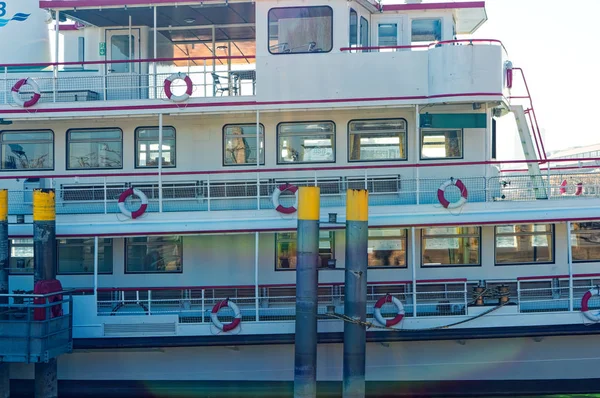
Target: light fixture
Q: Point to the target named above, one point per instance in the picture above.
(189, 20)
(222, 48)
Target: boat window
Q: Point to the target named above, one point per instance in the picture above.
(311, 142)
(377, 140)
(426, 30)
(154, 254)
(353, 40)
(32, 150)
(524, 244)
(239, 144)
(387, 247)
(450, 246)
(94, 149)
(76, 256)
(388, 35)
(21, 256)
(364, 32)
(585, 241)
(296, 30)
(146, 144)
(441, 144)
(120, 51)
(285, 244)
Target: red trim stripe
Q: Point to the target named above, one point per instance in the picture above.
(433, 6)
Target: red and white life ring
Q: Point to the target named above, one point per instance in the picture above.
(237, 317)
(178, 76)
(36, 92)
(578, 190)
(285, 187)
(463, 194)
(388, 298)
(585, 309)
(123, 197)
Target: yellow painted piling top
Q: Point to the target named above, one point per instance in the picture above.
(3, 204)
(43, 205)
(357, 205)
(309, 203)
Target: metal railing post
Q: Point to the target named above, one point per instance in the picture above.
(519, 295)
(105, 197)
(204, 77)
(208, 191)
(202, 304)
(466, 287)
(6, 84)
(149, 302)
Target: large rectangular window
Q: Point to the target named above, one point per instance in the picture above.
(441, 144)
(426, 30)
(95, 149)
(285, 249)
(524, 243)
(239, 144)
(296, 30)
(33, 150)
(147, 149)
(450, 246)
(585, 241)
(387, 247)
(377, 140)
(21, 256)
(76, 256)
(310, 142)
(154, 254)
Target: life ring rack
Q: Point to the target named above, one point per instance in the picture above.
(578, 188)
(17, 88)
(277, 192)
(464, 193)
(133, 192)
(237, 317)
(388, 298)
(585, 309)
(188, 90)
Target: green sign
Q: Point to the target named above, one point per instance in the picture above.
(102, 49)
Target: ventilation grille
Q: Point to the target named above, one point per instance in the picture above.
(140, 329)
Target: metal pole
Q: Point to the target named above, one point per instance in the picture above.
(155, 54)
(96, 270)
(570, 262)
(56, 52)
(257, 159)
(129, 41)
(305, 369)
(256, 259)
(413, 254)
(355, 299)
(417, 149)
(4, 264)
(160, 162)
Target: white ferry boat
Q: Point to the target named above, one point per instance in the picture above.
(175, 133)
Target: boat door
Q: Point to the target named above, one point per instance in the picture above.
(123, 80)
(388, 33)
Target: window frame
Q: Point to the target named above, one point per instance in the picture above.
(353, 12)
(26, 270)
(264, 142)
(305, 52)
(126, 258)
(424, 131)
(405, 240)
(406, 147)
(515, 234)
(319, 267)
(333, 143)
(573, 233)
(360, 39)
(422, 236)
(68, 148)
(84, 273)
(441, 19)
(136, 140)
(52, 146)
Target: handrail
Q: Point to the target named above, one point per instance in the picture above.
(542, 277)
(430, 45)
(33, 295)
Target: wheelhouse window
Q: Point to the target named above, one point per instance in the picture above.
(426, 30)
(21, 256)
(364, 32)
(76, 256)
(154, 254)
(450, 246)
(388, 35)
(585, 241)
(147, 147)
(353, 39)
(311, 142)
(441, 144)
(377, 140)
(285, 252)
(239, 144)
(524, 244)
(297, 30)
(95, 149)
(32, 150)
(387, 247)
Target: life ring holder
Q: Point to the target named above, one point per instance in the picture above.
(17, 88)
(277, 192)
(188, 90)
(585, 309)
(133, 192)
(464, 193)
(565, 183)
(388, 298)
(237, 317)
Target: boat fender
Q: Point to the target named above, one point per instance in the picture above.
(593, 316)
(237, 317)
(285, 187)
(178, 76)
(17, 88)
(388, 298)
(578, 190)
(463, 194)
(141, 210)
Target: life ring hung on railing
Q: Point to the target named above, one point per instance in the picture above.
(237, 315)
(17, 88)
(188, 90)
(388, 298)
(135, 192)
(578, 189)
(277, 192)
(464, 194)
(585, 309)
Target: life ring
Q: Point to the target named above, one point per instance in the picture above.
(237, 317)
(388, 298)
(188, 90)
(285, 187)
(463, 194)
(585, 309)
(578, 190)
(142, 209)
(36, 92)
